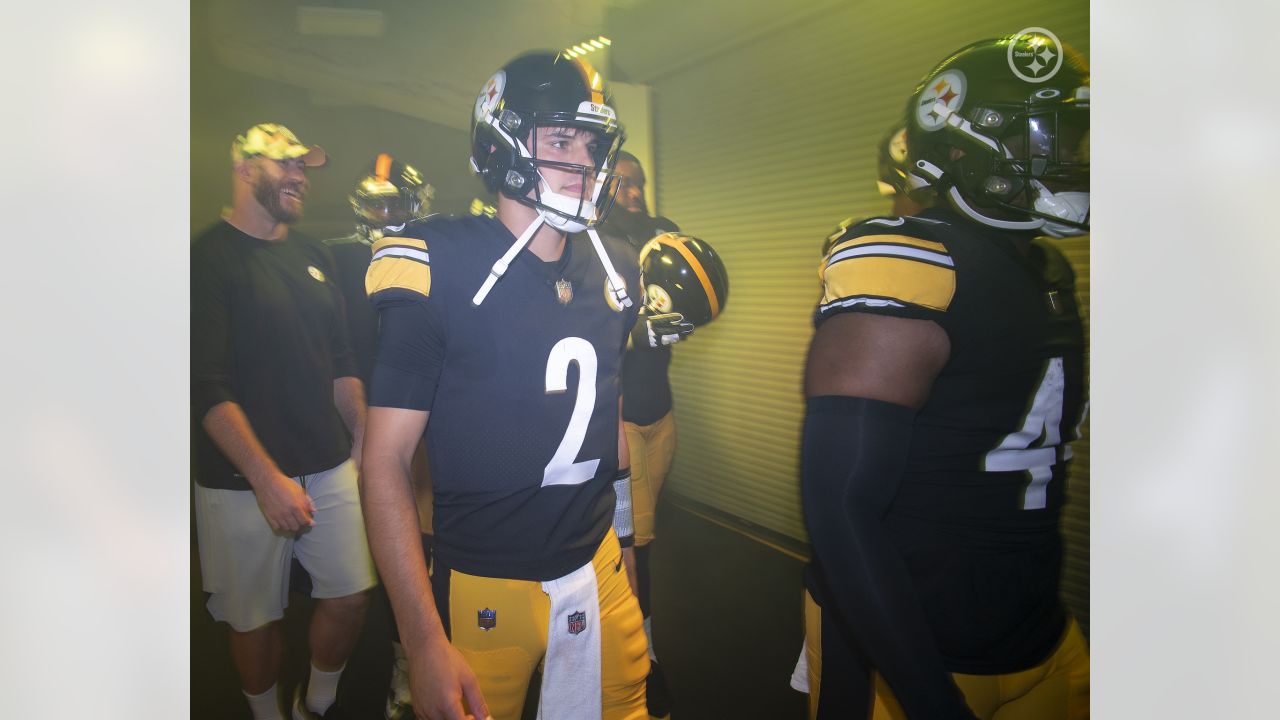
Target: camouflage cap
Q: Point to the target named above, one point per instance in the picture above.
(276, 142)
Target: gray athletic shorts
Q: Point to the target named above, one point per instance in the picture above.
(245, 565)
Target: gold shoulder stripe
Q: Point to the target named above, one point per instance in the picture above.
(399, 263)
(892, 239)
(896, 278)
(698, 270)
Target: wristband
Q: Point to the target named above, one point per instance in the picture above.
(622, 522)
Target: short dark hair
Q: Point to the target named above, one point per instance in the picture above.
(624, 155)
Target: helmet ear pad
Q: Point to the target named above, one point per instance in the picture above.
(501, 171)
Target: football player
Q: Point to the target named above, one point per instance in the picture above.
(944, 381)
(646, 405)
(389, 194)
(893, 182)
(503, 338)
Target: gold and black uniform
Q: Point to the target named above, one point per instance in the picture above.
(976, 514)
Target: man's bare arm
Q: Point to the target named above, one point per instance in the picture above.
(439, 677)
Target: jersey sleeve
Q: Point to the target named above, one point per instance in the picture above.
(411, 339)
(880, 266)
(399, 272)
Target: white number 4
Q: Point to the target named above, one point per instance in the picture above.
(1016, 452)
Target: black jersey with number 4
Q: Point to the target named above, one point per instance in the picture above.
(522, 389)
(976, 516)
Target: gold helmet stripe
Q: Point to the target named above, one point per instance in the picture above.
(669, 240)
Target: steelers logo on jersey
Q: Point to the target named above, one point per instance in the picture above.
(314, 272)
(613, 299)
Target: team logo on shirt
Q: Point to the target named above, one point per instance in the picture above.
(611, 298)
(314, 272)
(577, 622)
(487, 619)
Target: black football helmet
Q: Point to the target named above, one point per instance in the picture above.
(541, 89)
(685, 275)
(390, 194)
(891, 165)
(1001, 129)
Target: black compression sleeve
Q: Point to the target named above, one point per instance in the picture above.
(852, 459)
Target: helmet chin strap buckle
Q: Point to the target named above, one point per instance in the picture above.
(616, 286)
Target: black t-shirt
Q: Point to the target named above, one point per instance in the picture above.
(977, 511)
(267, 333)
(646, 387)
(523, 390)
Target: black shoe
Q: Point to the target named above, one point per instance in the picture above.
(657, 698)
(302, 712)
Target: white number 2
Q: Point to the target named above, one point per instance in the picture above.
(1015, 453)
(562, 470)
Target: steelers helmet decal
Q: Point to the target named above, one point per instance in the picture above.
(684, 274)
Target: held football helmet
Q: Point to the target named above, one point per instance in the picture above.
(685, 275)
(390, 194)
(1001, 129)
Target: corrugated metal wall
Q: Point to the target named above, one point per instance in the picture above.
(761, 150)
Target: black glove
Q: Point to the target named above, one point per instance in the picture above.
(654, 331)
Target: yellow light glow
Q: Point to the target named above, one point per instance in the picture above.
(581, 49)
(605, 40)
(597, 44)
(570, 52)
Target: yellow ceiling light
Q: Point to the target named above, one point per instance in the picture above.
(599, 42)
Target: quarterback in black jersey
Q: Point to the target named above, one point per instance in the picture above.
(944, 381)
(516, 365)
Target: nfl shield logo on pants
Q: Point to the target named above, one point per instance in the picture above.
(487, 619)
(577, 622)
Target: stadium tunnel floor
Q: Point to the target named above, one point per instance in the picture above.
(727, 621)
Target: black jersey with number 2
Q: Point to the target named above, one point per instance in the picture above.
(523, 389)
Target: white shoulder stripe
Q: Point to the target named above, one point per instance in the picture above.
(895, 251)
(868, 301)
(405, 252)
(895, 222)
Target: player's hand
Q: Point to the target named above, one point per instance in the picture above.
(439, 681)
(284, 503)
(654, 331)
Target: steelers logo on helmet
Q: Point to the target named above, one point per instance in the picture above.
(490, 95)
(943, 96)
(684, 274)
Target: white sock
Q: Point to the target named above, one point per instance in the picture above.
(264, 706)
(322, 689)
(648, 635)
